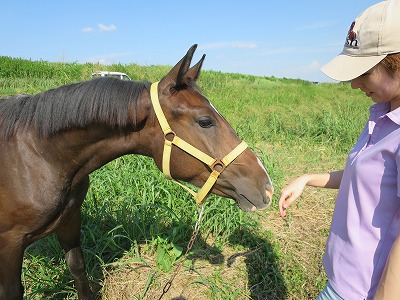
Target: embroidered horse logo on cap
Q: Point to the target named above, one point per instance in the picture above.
(351, 39)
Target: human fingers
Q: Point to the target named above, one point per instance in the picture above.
(284, 201)
(288, 196)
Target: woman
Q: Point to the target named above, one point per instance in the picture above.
(362, 255)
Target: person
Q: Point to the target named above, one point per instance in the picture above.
(362, 255)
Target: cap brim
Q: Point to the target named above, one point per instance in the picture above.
(345, 67)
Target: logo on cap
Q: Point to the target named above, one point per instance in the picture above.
(351, 39)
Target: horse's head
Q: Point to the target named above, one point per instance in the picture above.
(191, 122)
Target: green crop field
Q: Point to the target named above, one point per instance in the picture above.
(136, 223)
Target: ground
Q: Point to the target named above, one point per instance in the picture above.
(301, 237)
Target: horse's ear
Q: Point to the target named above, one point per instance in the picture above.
(194, 72)
(177, 76)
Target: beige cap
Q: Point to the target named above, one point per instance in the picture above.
(371, 37)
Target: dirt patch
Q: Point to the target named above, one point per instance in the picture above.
(302, 236)
(144, 281)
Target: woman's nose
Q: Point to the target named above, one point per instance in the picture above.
(355, 83)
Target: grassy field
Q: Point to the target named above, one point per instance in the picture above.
(136, 223)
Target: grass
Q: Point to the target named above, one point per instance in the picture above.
(136, 223)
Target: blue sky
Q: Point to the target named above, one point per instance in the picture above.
(291, 39)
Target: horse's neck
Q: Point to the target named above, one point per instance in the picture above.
(89, 149)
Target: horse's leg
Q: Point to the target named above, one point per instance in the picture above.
(69, 237)
(10, 271)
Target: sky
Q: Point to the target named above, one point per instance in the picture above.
(290, 39)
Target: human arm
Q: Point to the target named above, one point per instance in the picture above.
(292, 191)
(389, 285)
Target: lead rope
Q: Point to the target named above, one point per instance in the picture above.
(217, 166)
(168, 284)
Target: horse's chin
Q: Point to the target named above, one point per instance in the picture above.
(252, 202)
(248, 205)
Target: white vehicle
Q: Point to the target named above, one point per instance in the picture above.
(119, 75)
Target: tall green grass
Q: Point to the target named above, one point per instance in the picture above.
(131, 210)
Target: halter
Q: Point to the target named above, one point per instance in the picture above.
(170, 138)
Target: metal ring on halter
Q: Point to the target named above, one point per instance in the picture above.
(218, 166)
(168, 133)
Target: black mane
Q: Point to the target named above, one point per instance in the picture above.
(97, 101)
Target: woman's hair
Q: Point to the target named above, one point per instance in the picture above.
(391, 63)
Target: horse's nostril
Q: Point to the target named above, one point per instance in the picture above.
(269, 193)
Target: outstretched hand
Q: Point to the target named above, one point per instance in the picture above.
(290, 193)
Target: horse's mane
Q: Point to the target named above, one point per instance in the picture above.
(97, 101)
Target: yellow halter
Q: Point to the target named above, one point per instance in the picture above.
(216, 165)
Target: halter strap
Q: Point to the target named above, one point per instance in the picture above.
(198, 154)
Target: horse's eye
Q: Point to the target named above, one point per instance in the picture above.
(206, 122)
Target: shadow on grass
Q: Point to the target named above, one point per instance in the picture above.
(107, 237)
(265, 278)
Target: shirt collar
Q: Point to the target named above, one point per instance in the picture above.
(380, 109)
(394, 115)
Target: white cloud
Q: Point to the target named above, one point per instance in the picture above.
(87, 29)
(279, 51)
(244, 45)
(314, 65)
(103, 27)
(100, 28)
(108, 59)
(317, 25)
(221, 45)
(303, 71)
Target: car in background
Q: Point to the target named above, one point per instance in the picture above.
(118, 75)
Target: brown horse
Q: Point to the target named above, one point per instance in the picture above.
(52, 141)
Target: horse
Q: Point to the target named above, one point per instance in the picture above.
(51, 141)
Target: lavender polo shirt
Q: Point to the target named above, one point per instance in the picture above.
(366, 219)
